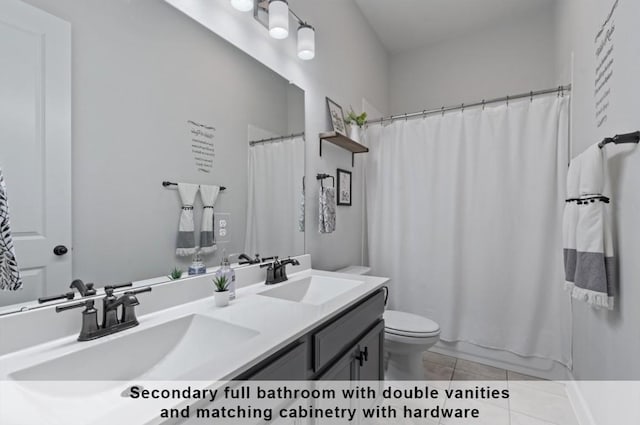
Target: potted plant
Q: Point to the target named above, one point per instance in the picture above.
(356, 122)
(221, 295)
(175, 274)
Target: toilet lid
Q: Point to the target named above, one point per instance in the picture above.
(407, 324)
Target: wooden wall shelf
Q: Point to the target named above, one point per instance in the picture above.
(344, 142)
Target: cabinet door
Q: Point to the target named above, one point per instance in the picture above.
(371, 354)
(344, 369)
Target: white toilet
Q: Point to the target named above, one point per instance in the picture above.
(406, 337)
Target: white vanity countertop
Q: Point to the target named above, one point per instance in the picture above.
(278, 323)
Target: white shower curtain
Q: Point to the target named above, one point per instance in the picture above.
(276, 170)
(464, 214)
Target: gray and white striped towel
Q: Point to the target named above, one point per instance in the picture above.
(9, 273)
(186, 244)
(590, 264)
(209, 194)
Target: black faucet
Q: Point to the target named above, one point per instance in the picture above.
(84, 290)
(110, 321)
(277, 270)
(248, 260)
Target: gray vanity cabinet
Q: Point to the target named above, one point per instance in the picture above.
(347, 347)
(362, 362)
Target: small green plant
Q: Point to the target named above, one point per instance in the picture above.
(176, 274)
(221, 283)
(352, 118)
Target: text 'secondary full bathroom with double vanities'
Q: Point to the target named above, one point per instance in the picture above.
(303, 212)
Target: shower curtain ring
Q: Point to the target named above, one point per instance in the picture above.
(405, 117)
(424, 113)
(507, 100)
(531, 96)
(559, 87)
(483, 103)
(442, 109)
(462, 108)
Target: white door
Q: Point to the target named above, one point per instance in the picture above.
(35, 145)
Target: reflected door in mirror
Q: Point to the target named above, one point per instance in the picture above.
(35, 145)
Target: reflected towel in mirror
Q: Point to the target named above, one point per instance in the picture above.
(209, 194)
(327, 211)
(186, 244)
(9, 273)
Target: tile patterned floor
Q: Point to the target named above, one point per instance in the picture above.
(532, 401)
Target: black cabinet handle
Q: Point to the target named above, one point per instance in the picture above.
(363, 356)
(60, 250)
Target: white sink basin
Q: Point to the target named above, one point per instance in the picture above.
(315, 290)
(161, 352)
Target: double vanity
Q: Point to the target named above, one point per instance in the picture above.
(316, 326)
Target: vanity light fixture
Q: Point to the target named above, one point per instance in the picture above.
(242, 5)
(274, 15)
(279, 19)
(306, 42)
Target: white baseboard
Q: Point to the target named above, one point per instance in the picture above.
(579, 404)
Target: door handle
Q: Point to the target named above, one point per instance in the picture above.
(60, 250)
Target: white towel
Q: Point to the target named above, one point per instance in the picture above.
(590, 264)
(186, 244)
(327, 222)
(209, 194)
(9, 273)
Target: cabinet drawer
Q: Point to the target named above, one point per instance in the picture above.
(290, 366)
(334, 338)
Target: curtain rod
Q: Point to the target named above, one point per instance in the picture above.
(274, 139)
(559, 90)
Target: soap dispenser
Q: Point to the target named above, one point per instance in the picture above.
(226, 271)
(197, 266)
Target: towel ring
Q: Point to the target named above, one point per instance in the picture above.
(322, 176)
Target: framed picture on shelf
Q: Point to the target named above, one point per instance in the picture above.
(344, 187)
(337, 117)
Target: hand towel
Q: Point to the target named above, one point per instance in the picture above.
(301, 218)
(9, 273)
(327, 211)
(186, 244)
(209, 194)
(590, 264)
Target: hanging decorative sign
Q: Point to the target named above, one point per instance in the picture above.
(604, 45)
(202, 146)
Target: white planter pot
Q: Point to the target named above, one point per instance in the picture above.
(221, 298)
(354, 133)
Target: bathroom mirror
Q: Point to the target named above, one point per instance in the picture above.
(155, 98)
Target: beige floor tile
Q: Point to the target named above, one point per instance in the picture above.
(438, 358)
(520, 419)
(488, 372)
(515, 376)
(553, 387)
(543, 405)
(488, 414)
(437, 372)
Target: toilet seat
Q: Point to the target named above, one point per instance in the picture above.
(407, 325)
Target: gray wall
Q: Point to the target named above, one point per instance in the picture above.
(140, 71)
(509, 57)
(346, 74)
(607, 344)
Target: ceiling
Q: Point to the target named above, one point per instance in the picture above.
(407, 24)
